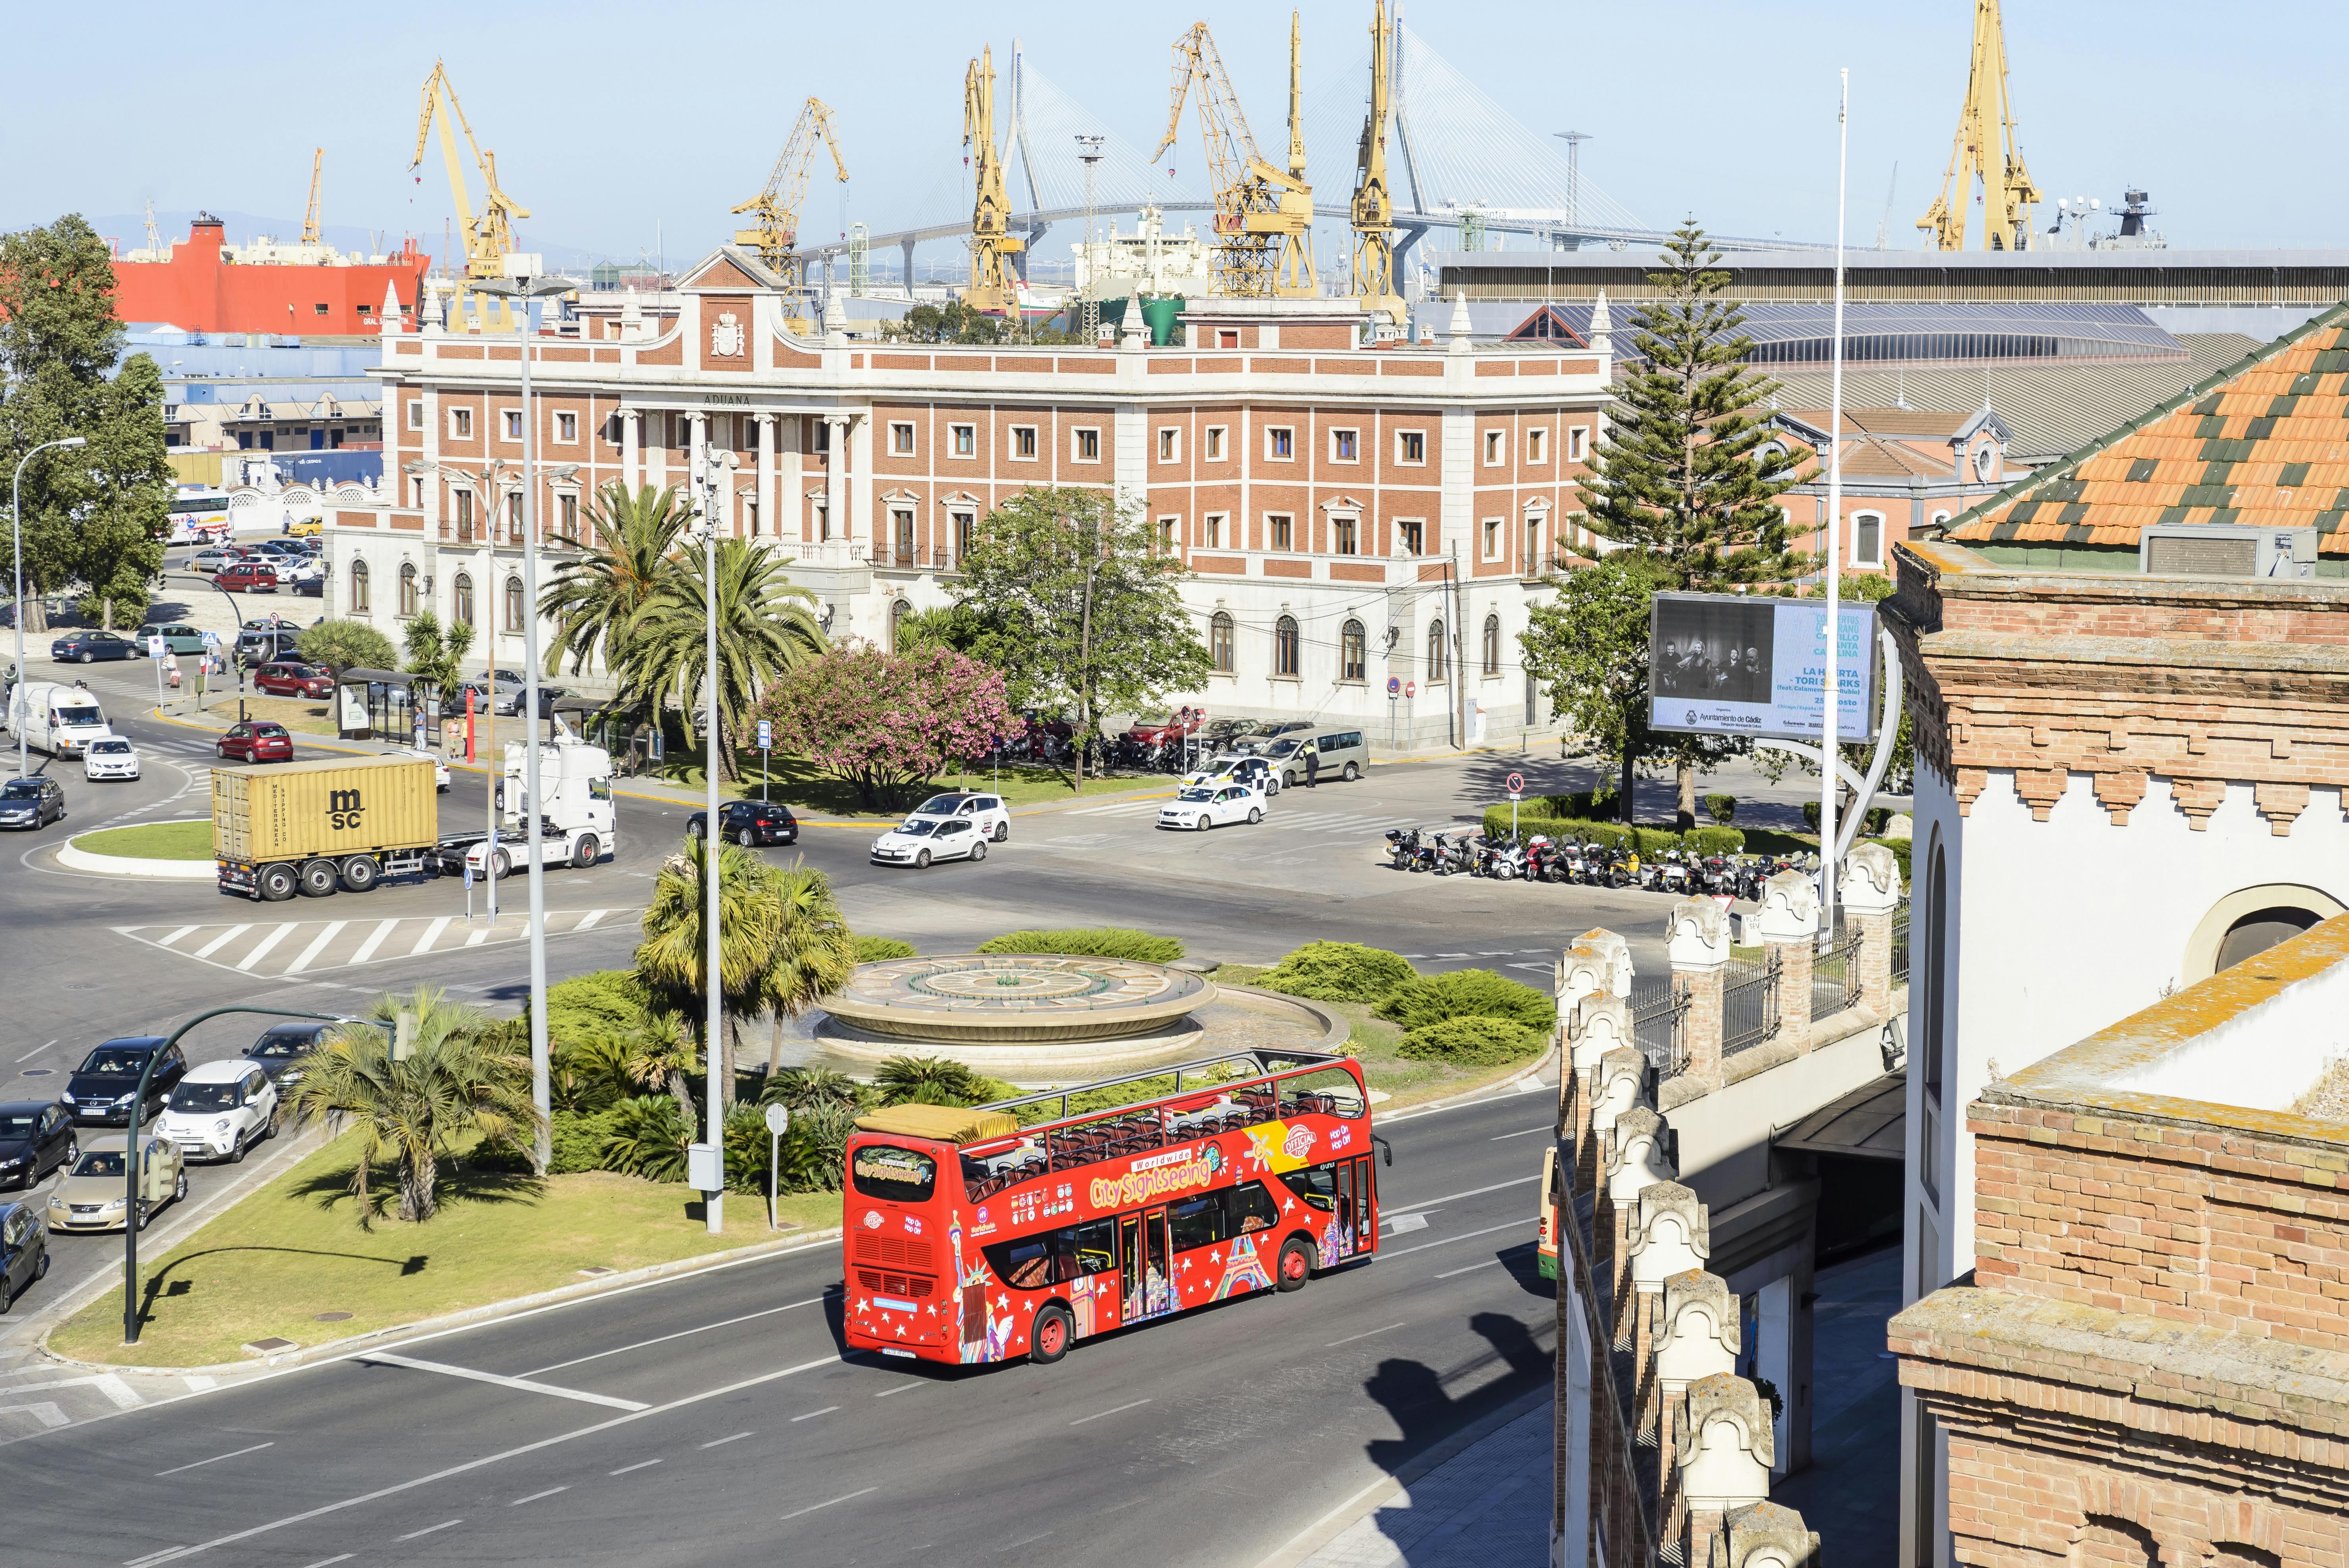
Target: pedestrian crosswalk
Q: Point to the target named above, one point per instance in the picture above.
(287, 948)
(1281, 813)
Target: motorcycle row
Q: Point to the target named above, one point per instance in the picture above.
(1544, 859)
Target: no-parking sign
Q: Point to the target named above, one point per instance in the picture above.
(1394, 684)
(1516, 782)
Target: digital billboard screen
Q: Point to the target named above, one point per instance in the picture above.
(1727, 663)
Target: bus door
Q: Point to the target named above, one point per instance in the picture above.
(1143, 1254)
(1366, 1211)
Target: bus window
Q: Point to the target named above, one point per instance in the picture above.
(1197, 1222)
(1091, 1249)
(1055, 1257)
(1332, 1091)
(894, 1175)
(1023, 1265)
(1315, 1186)
(1249, 1208)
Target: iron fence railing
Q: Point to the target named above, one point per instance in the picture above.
(1834, 976)
(1901, 945)
(1659, 1023)
(1749, 1004)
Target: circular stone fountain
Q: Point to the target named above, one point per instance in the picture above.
(1015, 1015)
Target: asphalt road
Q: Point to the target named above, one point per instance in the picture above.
(715, 1420)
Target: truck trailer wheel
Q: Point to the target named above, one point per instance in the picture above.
(360, 873)
(319, 878)
(277, 884)
(586, 851)
(499, 865)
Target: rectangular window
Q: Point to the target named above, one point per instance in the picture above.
(1170, 531)
(1215, 443)
(963, 524)
(512, 421)
(1280, 532)
(416, 422)
(966, 442)
(1215, 541)
(1407, 531)
(823, 435)
(1196, 1221)
(1410, 447)
(903, 520)
(567, 430)
(1280, 443)
(1345, 446)
(513, 520)
(1084, 446)
(1577, 443)
(1536, 449)
(1342, 535)
(566, 508)
(1023, 443)
(465, 527)
(1493, 539)
(901, 440)
(460, 424)
(322, 310)
(416, 499)
(1496, 447)
(1533, 562)
(1868, 539)
(1229, 338)
(1170, 445)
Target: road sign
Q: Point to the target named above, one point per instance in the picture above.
(1517, 783)
(155, 648)
(766, 735)
(779, 1118)
(1411, 688)
(212, 639)
(1394, 684)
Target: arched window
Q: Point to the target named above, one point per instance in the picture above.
(898, 610)
(359, 588)
(407, 590)
(1284, 646)
(1219, 641)
(1492, 645)
(1867, 538)
(1435, 650)
(461, 600)
(513, 603)
(1353, 664)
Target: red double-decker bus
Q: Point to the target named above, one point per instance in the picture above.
(972, 1238)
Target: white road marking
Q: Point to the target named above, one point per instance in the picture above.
(223, 939)
(844, 1497)
(1498, 1138)
(1363, 1335)
(721, 1442)
(1472, 1268)
(1097, 1415)
(37, 1050)
(640, 1464)
(901, 1387)
(1463, 1236)
(214, 1459)
(163, 1556)
(261, 949)
(333, 929)
(811, 1415)
(1398, 1224)
(166, 942)
(387, 1358)
(483, 935)
(123, 1395)
(197, 1383)
(680, 1334)
(533, 1497)
(374, 941)
(445, 1523)
(330, 1562)
(47, 1412)
(594, 915)
(1541, 967)
(1472, 1192)
(432, 934)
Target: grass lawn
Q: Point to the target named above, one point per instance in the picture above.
(1374, 1043)
(298, 713)
(796, 782)
(153, 841)
(271, 1264)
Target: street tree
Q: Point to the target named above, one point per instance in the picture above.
(884, 722)
(94, 517)
(1683, 473)
(815, 955)
(627, 555)
(1588, 647)
(1091, 605)
(672, 959)
(347, 645)
(436, 657)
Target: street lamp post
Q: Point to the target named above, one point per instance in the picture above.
(17, 528)
(713, 487)
(523, 280)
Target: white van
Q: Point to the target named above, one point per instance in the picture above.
(57, 718)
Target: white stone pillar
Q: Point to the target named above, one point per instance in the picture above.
(770, 513)
(1790, 929)
(836, 474)
(632, 462)
(697, 441)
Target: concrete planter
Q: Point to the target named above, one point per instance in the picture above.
(73, 858)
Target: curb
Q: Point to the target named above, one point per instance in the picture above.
(334, 1350)
(135, 866)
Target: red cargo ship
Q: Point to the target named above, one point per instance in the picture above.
(205, 285)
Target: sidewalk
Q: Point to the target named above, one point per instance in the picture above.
(1485, 1505)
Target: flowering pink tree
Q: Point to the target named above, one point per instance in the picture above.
(883, 721)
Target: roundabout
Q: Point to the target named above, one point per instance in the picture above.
(1007, 1014)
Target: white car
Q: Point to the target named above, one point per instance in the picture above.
(110, 757)
(220, 1110)
(1206, 807)
(988, 811)
(917, 841)
(1230, 769)
(440, 763)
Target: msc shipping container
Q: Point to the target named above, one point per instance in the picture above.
(312, 826)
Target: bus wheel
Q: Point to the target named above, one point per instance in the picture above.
(1296, 1264)
(1048, 1339)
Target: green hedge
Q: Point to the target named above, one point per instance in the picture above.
(1337, 972)
(874, 949)
(1468, 994)
(1612, 835)
(1475, 1041)
(1090, 942)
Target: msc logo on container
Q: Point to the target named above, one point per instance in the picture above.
(342, 808)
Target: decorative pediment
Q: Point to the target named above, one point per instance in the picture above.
(728, 269)
(1345, 503)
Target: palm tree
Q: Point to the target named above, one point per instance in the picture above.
(436, 657)
(671, 960)
(814, 954)
(457, 1077)
(661, 1053)
(765, 625)
(625, 559)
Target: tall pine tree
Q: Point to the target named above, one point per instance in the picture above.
(1679, 475)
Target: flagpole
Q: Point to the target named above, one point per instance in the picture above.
(1828, 748)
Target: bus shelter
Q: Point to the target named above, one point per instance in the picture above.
(379, 705)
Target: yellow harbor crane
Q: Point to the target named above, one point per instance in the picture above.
(1986, 148)
(992, 242)
(1258, 210)
(776, 234)
(1373, 209)
(489, 239)
(310, 230)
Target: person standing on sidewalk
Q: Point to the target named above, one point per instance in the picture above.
(1312, 764)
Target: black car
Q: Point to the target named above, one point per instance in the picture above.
(101, 1088)
(23, 1251)
(314, 586)
(31, 802)
(749, 822)
(88, 647)
(36, 1136)
(281, 1044)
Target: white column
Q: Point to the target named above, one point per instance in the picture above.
(835, 475)
(697, 437)
(770, 514)
(632, 467)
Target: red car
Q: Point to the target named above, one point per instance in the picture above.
(255, 741)
(248, 577)
(1179, 726)
(293, 680)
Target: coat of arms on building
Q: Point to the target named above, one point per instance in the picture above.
(725, 337)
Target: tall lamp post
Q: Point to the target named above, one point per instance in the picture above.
(715, 466)
(16, 527)
(524, 280)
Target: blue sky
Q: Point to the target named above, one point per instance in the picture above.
(609, 120)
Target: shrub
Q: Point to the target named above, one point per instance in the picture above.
(578, 1142)
(1090, 942)
(803, 1088)
(815, 1150)
(1475, 1041)
(747, 1143)
(1337, 972)
(875, 949)
(1721, 808)
(1615, 835)
(1714, 841)
(1899, 848)
(347, 645)
(1811, 815)
(1467, 994)
(603, 1002)
(929, 1080)
(1877, 818)
(648, 1138)
(586, 1073)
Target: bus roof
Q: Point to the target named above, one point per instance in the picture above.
(943, 1123)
